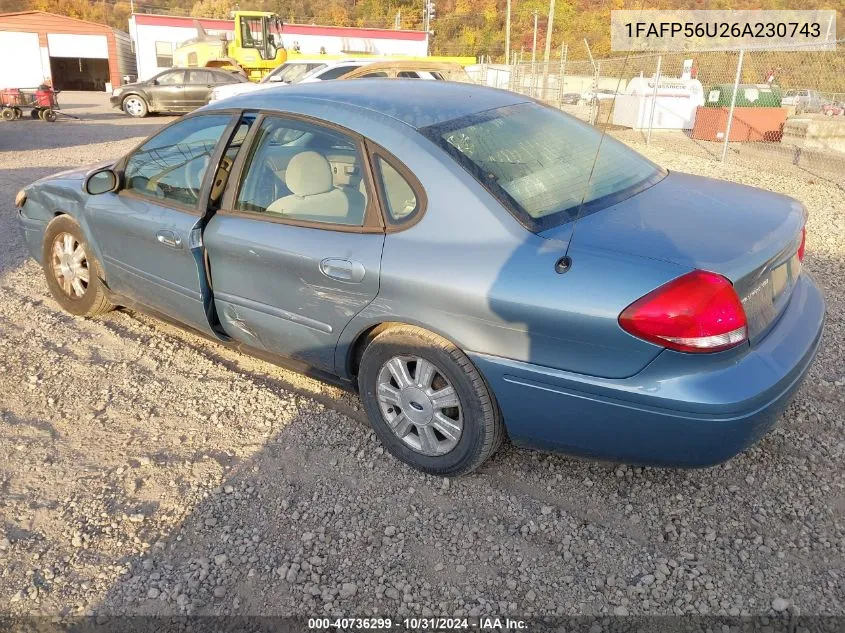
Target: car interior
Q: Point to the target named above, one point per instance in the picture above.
(305, 174)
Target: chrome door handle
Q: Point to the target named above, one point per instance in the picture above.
(169, 238)
(343, 270)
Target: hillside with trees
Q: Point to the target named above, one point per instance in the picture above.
(461, 27)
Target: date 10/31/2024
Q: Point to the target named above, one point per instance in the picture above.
(482, 623)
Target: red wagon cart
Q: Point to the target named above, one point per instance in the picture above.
(41, 103)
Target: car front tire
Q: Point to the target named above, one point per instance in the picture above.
(427, 402)
(135, 106)
(73, 274)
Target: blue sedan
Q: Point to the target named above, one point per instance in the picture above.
(475, 263)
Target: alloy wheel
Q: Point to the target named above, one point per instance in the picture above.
(420, 405)
(133, 106)
(70, 265)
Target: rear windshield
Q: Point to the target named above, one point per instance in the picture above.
(542, 164)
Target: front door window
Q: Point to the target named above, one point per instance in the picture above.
(171, 166)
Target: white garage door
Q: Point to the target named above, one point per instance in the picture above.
(26, 70)
(62, 45)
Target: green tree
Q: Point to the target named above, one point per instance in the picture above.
(213, 8)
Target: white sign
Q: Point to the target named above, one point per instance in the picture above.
(26, 71)
(62, 45)
(687, 72)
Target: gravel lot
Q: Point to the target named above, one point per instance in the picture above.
(148, 471)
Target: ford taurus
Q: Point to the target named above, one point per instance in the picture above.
(475, 263)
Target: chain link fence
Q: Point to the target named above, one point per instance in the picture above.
(763, 106)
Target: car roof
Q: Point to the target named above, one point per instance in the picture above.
(353, 60)
(408, 64)
(411, 101)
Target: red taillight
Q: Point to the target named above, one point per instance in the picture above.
(699, 312)
(803, 244)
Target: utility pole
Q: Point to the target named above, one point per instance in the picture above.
(428, 14)
(534, 46)
(548, 51)
(593, 101)
(508, 34)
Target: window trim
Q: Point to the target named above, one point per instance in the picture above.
(376, 151)
(200, 209)
(373, 220)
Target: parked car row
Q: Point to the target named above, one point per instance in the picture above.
(185, 89)
(304, 71)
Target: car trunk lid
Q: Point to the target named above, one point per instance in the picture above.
(748, 235)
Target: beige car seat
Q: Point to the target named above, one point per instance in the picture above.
(313, 194)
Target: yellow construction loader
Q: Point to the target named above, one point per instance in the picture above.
(255, 50)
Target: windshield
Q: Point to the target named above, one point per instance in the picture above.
(290, 73)
(541, 163)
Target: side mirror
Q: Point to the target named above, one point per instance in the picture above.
(101, 181)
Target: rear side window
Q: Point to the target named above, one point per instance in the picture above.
(200, 77)
(226, 78)
(400, 200)
(407, 74)
(545, 166)
(304, 172)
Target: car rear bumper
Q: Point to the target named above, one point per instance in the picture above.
(682, 410)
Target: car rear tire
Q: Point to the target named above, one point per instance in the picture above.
(8, 114)
(427, 402)
(73, 274)
(135, 106)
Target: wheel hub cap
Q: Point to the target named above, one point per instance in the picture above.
(420, 405)
(416, 405)
(70, 265)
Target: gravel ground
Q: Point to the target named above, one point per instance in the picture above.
(148, 471)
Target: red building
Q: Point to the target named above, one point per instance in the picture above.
(36, 46)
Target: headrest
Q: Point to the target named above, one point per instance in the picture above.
(308, 174)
